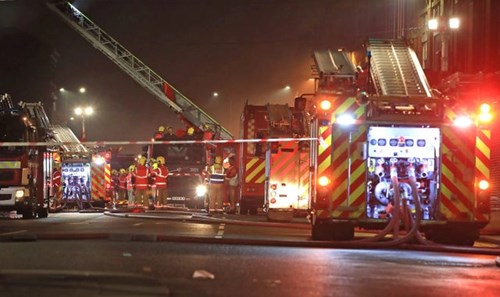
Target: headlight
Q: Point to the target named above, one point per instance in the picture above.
(463, 121)
(323, 181)
(201, 190)
(19, 193)
(345, 119)
(484, 184)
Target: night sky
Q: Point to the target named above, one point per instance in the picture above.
(242, 49)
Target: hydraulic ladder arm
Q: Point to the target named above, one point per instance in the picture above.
(135, 68)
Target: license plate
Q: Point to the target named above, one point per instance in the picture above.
(178, 198)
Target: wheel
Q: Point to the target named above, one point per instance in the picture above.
(342, 231)
(243, 208)
(466, 237)
(43, 212)
(322, 231)
(27, 212)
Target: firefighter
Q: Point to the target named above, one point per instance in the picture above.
(114, 186)
(161, 174)
(232, 184)
(190, 134)
(141, 174)
(153, 164)
(56, 185)
(122, 186)
(130, 185)
(159, 133)
(207, 133)
(169, 135)
(216, 178)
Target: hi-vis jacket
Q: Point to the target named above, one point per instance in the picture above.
(161, 174)
(217, 175)
(141, 177)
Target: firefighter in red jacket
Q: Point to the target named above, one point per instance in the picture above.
(161, 174)
(159, 133)
(141, 175)
(56, 185)
(122, 186)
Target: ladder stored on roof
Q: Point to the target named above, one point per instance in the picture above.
(136, 69)
(395, 69)
(38, 114)
(71, 143)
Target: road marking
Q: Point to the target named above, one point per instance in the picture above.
(13, 232)
(138, 224)
(221, 231)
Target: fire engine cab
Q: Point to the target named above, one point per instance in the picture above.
(387, 146)
(22, 167)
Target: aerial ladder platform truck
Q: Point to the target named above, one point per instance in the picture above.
(189, 172)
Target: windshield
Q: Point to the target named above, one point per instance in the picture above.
(177, 155)
(12, 129)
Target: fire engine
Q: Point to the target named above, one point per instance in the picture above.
(383, 137)
(22, 168)
(275, 175)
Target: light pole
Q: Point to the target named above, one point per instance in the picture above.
(84, 112)
(444, 27)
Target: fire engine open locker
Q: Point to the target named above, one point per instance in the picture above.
(392, 138)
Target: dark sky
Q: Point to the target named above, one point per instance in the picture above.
(243, 49)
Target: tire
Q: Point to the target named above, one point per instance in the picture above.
(466, 237)
(28, 213)
(243, 208)
(343, 231)
(322, 231)
(43, 212)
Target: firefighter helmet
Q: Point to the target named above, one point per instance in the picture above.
(131, 168)
(161, 160)
(123, 171)
(218, 160)
(141, 161)
(190, 131)
(161, 129)
(114, 172)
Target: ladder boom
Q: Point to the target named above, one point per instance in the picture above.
(136, 69)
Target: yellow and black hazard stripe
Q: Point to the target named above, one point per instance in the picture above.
(10, 164)
(339, 159)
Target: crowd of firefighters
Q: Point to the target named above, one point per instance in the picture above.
(145, 184)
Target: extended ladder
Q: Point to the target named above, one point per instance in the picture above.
(136, 69)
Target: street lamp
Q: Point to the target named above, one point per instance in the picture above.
(84, 112)
(444, 26)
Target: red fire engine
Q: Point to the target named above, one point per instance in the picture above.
(391, 148)
(22, 168)
(275, 175)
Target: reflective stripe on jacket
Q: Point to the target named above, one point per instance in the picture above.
(216, 175)
(141, 177)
